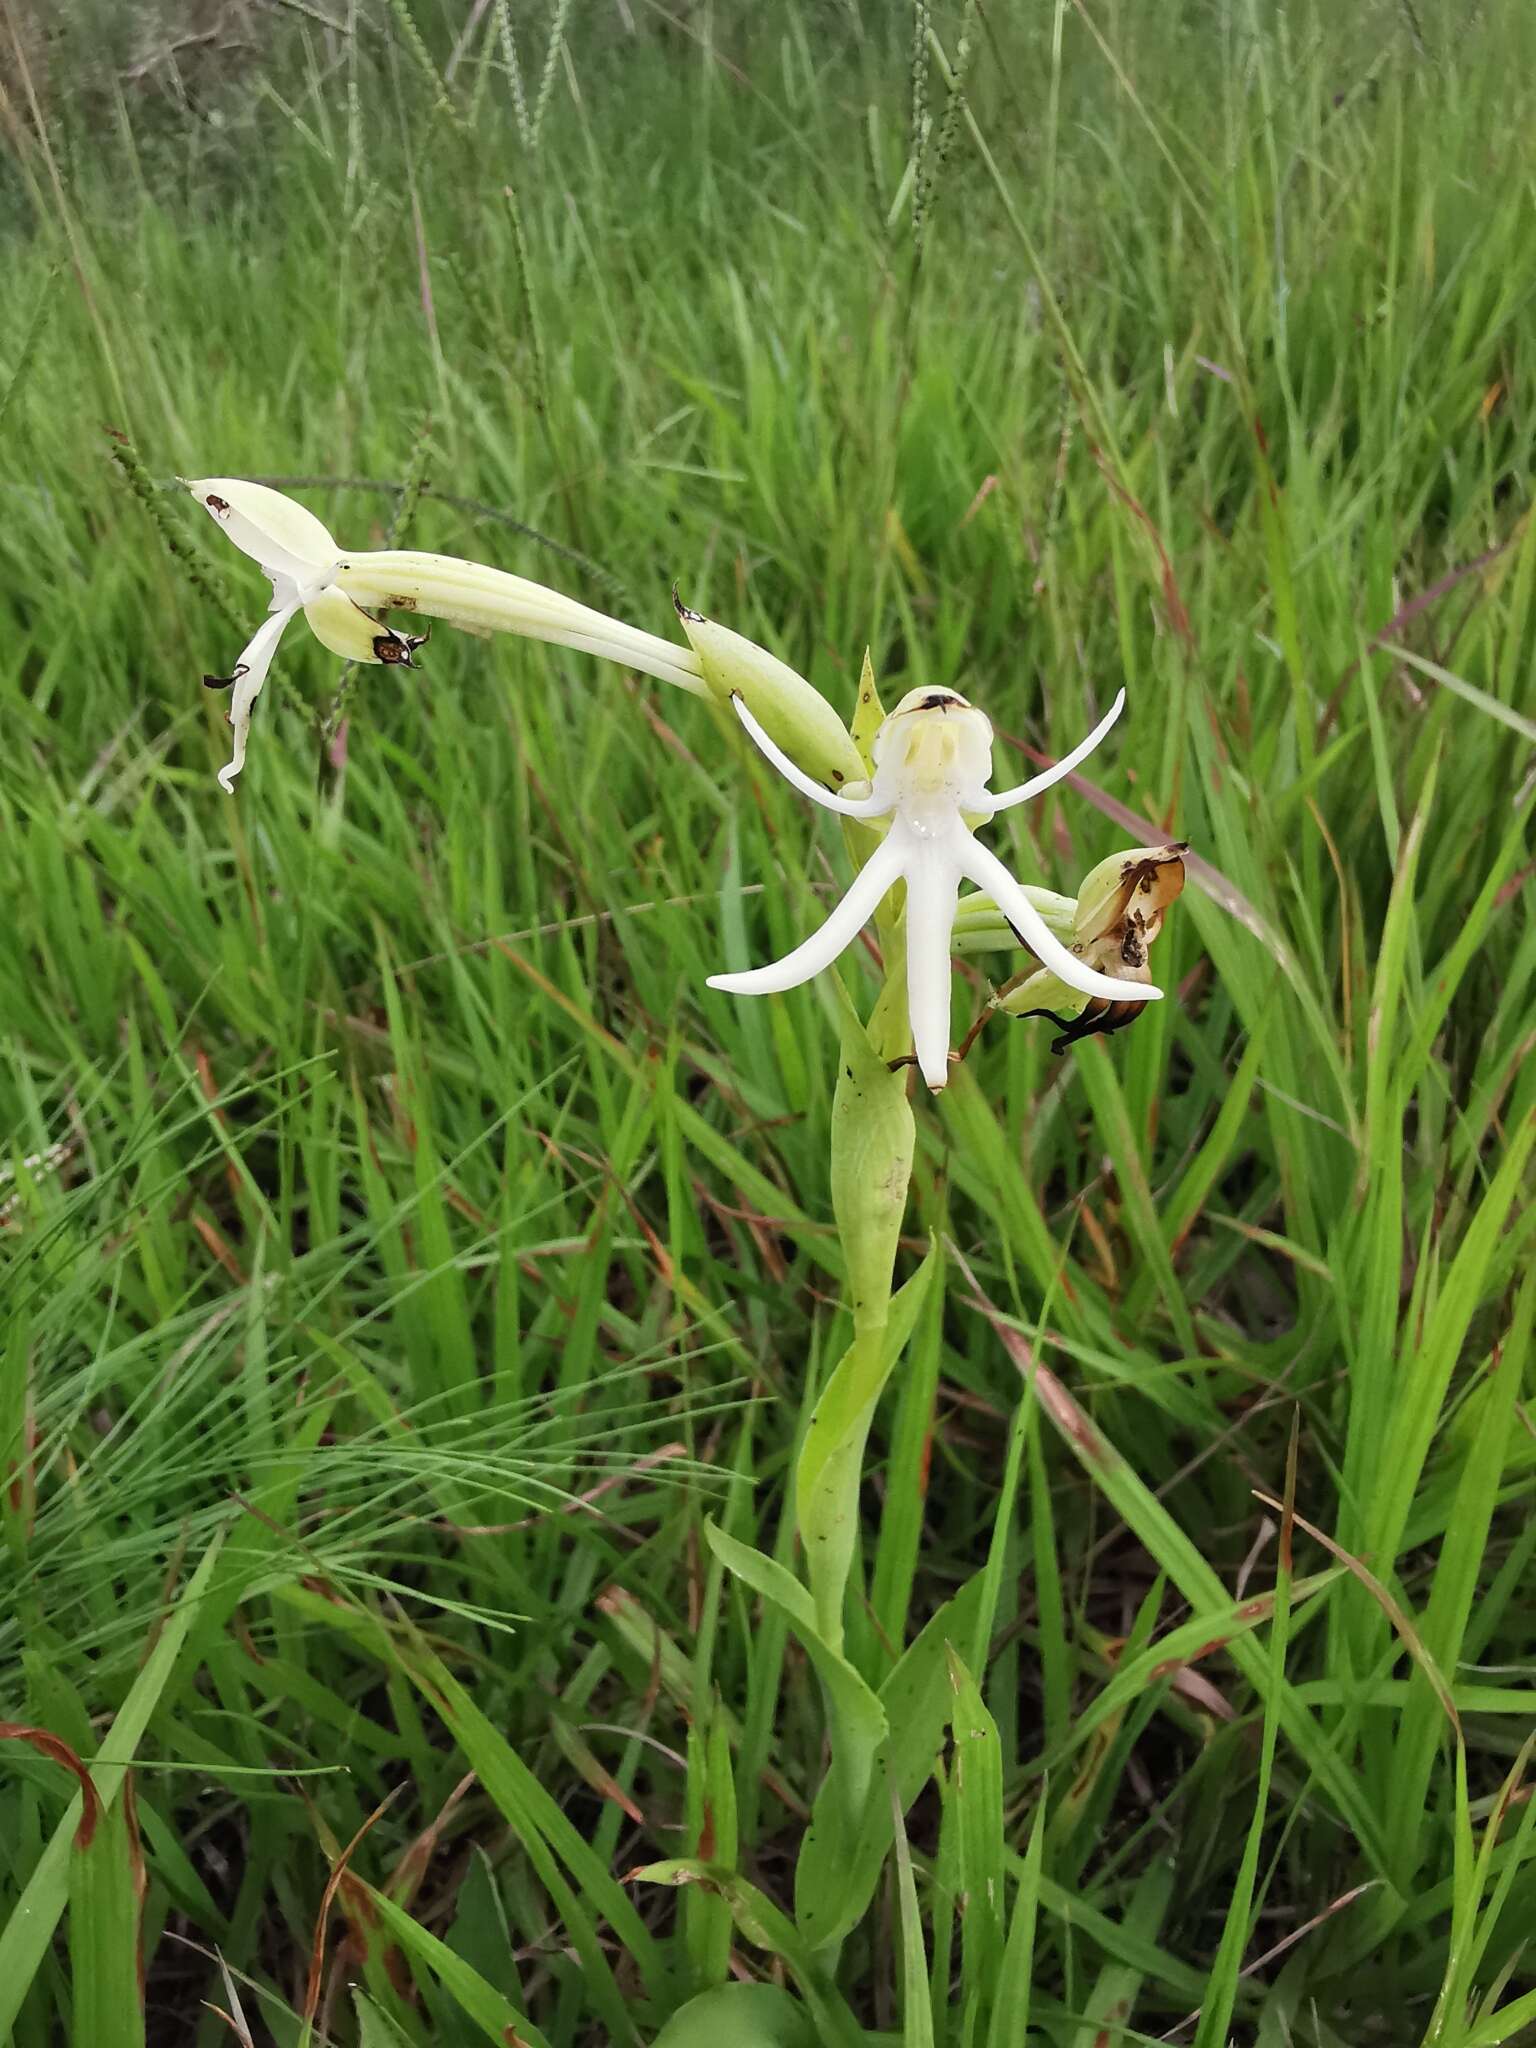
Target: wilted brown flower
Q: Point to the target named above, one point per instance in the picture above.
(1120, 910)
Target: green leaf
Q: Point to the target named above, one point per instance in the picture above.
(27, 1933)
(480, 1933)
(916, 1699)
(711, 1792)
(1111, 2001)
(1481, 700)
(1182, 1644)
(106, 1910)
(830, 1471)
(1010, 2010)
(742, 2016)
(1226, 1971)
(976, 1787)
(1429, 1355)
(552, 1845)
(375, 2028)
(916, 2010)
(1454, 1588)
(858, 1732)
(767, 1928)
(496, 2017)
(1181, 1558)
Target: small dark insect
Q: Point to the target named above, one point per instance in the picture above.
(938, 700)
(397, 650)
(1097, 1021)
(696, 618)
(242, 668)
(216, 503)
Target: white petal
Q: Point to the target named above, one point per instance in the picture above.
(283, 535)
(341, 626)
(991, 805)
(987, 872)
(933, 888)
(883, 867)
(255, 661)
(847, 807)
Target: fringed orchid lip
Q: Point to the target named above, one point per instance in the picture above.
(933, 760)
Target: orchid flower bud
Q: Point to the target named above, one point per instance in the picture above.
(790, 710)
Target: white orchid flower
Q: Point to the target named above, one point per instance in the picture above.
(301, 559)
(337, 590)
(933, 760)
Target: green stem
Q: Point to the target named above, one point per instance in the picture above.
(873, 1135)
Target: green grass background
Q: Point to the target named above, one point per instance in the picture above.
(411, 1185)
